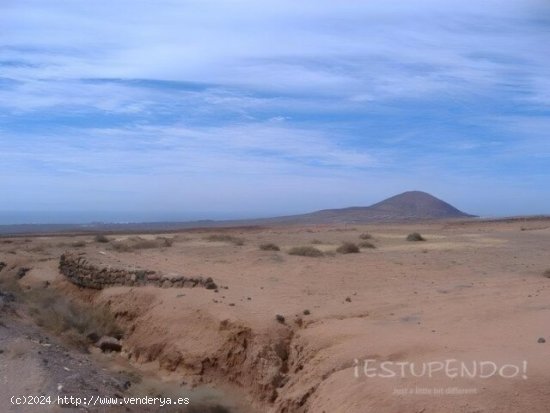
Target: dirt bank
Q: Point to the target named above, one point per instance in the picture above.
(291, 332)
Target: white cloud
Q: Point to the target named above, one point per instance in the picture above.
(376, 49)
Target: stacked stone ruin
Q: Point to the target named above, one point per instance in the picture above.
(84, 274)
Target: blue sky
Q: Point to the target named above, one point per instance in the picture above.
(208, 109)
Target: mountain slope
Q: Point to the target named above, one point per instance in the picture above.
(417, 204)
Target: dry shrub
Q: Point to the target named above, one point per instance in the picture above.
(101, 238)
(306, 251)
(59, 314)
(366, 244)
(547, 273)
(316, 242)
(415, 236)
(280, 318)
(136, 243)
(225, 238)
(343, 229)
(269, 247)
(365, 236)
(347, 248)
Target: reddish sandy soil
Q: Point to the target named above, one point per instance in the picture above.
(472, 292)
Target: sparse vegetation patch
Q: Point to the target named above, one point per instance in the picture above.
(136, 243)
(306, 251)
(365, 236)
(225, 238)
(73, 320)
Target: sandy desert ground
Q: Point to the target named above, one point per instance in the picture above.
(472, 292)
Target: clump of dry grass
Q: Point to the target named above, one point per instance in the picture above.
(366, 244)
(365, 236)
(225, 238)
(269, 246)
(316, 242)
(305, 251)
(347, 248)
(136, 243)
(415, 236)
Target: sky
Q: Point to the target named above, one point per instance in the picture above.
(137, 110)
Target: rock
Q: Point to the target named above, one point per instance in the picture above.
(5, 300)
(108, 344)
(6, 297)
(541, 340)
(280, 318)
(348, 299)
(153, 277)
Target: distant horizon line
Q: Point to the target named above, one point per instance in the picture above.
(229, 220)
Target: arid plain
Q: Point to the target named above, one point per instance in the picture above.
(289, 333)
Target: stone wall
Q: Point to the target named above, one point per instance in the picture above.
(84, 274)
